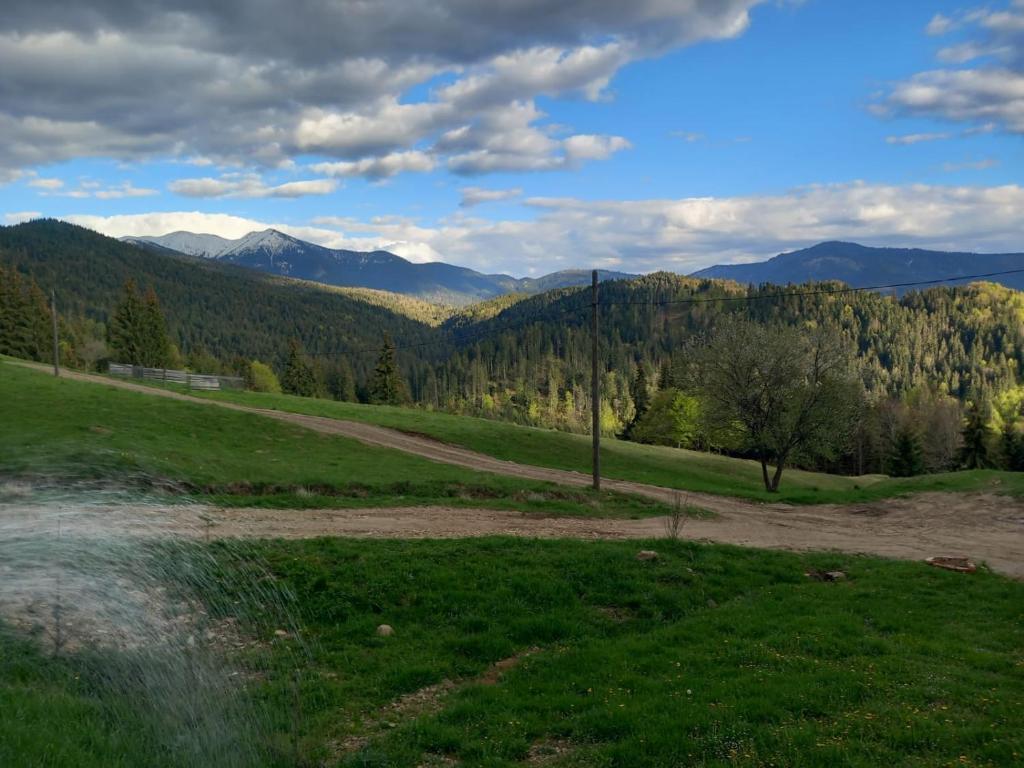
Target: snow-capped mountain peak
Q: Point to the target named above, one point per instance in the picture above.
(194, 244)
(269, 240)
(275, 252)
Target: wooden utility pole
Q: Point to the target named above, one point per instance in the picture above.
(595, 385)
(56, 348)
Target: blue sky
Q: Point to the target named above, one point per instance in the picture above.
(637, 137)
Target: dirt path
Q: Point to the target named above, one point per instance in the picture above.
(986, 527)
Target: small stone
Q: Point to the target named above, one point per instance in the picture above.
(835, 575)
(280, 633)
(712, 603)
(646, 554)
(385, 630)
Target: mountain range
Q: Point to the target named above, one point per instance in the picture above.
(860, 266)
(277, 253)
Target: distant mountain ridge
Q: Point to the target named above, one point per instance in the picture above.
(862, 266)
(277, 253)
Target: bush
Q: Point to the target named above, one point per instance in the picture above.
(262, 378)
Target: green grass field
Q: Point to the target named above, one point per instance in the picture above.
(708, 656)
(69, 430)
(668, 467)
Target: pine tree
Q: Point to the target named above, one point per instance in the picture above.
(974, 454)
(387, 386)
(1013, 448)
(156, 345)
(665, 378)
(906, 457)
(641, 399)
(24, 318)
(125, 333)
(299, 377)
(340, 382)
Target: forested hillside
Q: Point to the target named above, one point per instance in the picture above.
(527, 359)
(211, 309)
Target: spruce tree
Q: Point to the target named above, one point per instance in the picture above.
(299, 377)
(340, 382)
(641, 399)
(1013, 448)
(126, 333)
(24, 318)
(387, 386)
(906, 457)
(156, 346)
(666, 380)
(974, 454)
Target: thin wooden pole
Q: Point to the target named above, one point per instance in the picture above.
(56, 347)
(595, 384)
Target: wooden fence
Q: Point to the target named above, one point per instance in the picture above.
(190, 380)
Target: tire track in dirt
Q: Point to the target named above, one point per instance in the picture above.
(986, 527)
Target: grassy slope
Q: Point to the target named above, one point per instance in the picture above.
(669, 467)
(632, 666)
(49, 716)
(74, 430)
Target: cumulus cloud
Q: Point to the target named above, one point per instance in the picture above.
(249, 185)
(17, 217)
(260, 84)
(475, 195)
(383, 167)
(45, 183)
(642, 235)
(939, 25)
(53, 187)
(224, 225)
(127, 189)
(991, 91)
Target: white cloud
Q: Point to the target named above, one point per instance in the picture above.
(44, 183)
(383, 167)
(88, 188)
(989, 93)
(688, 136)
(690, 233)
(17, 217)
(970, 165)
(939, 25)
(476, 195)
(249, 185)
(224, 84)
(127, 189)
(591, 147)
(642, 235)
(915, 138)
(224, 225)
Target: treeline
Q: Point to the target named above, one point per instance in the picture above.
(924, 361)
(215, 313)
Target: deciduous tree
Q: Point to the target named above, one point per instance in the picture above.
(791, 393)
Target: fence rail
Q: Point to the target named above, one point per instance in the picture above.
(185, 378)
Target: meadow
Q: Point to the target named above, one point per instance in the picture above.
(58, 429)
(505, 651)
(624, 460)
(515, 652)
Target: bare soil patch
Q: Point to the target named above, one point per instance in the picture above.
(984, 527)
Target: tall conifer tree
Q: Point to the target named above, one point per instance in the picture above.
(387, 386)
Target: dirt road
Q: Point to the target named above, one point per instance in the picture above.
(985, 527)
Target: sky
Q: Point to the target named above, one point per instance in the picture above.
(522, 136)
